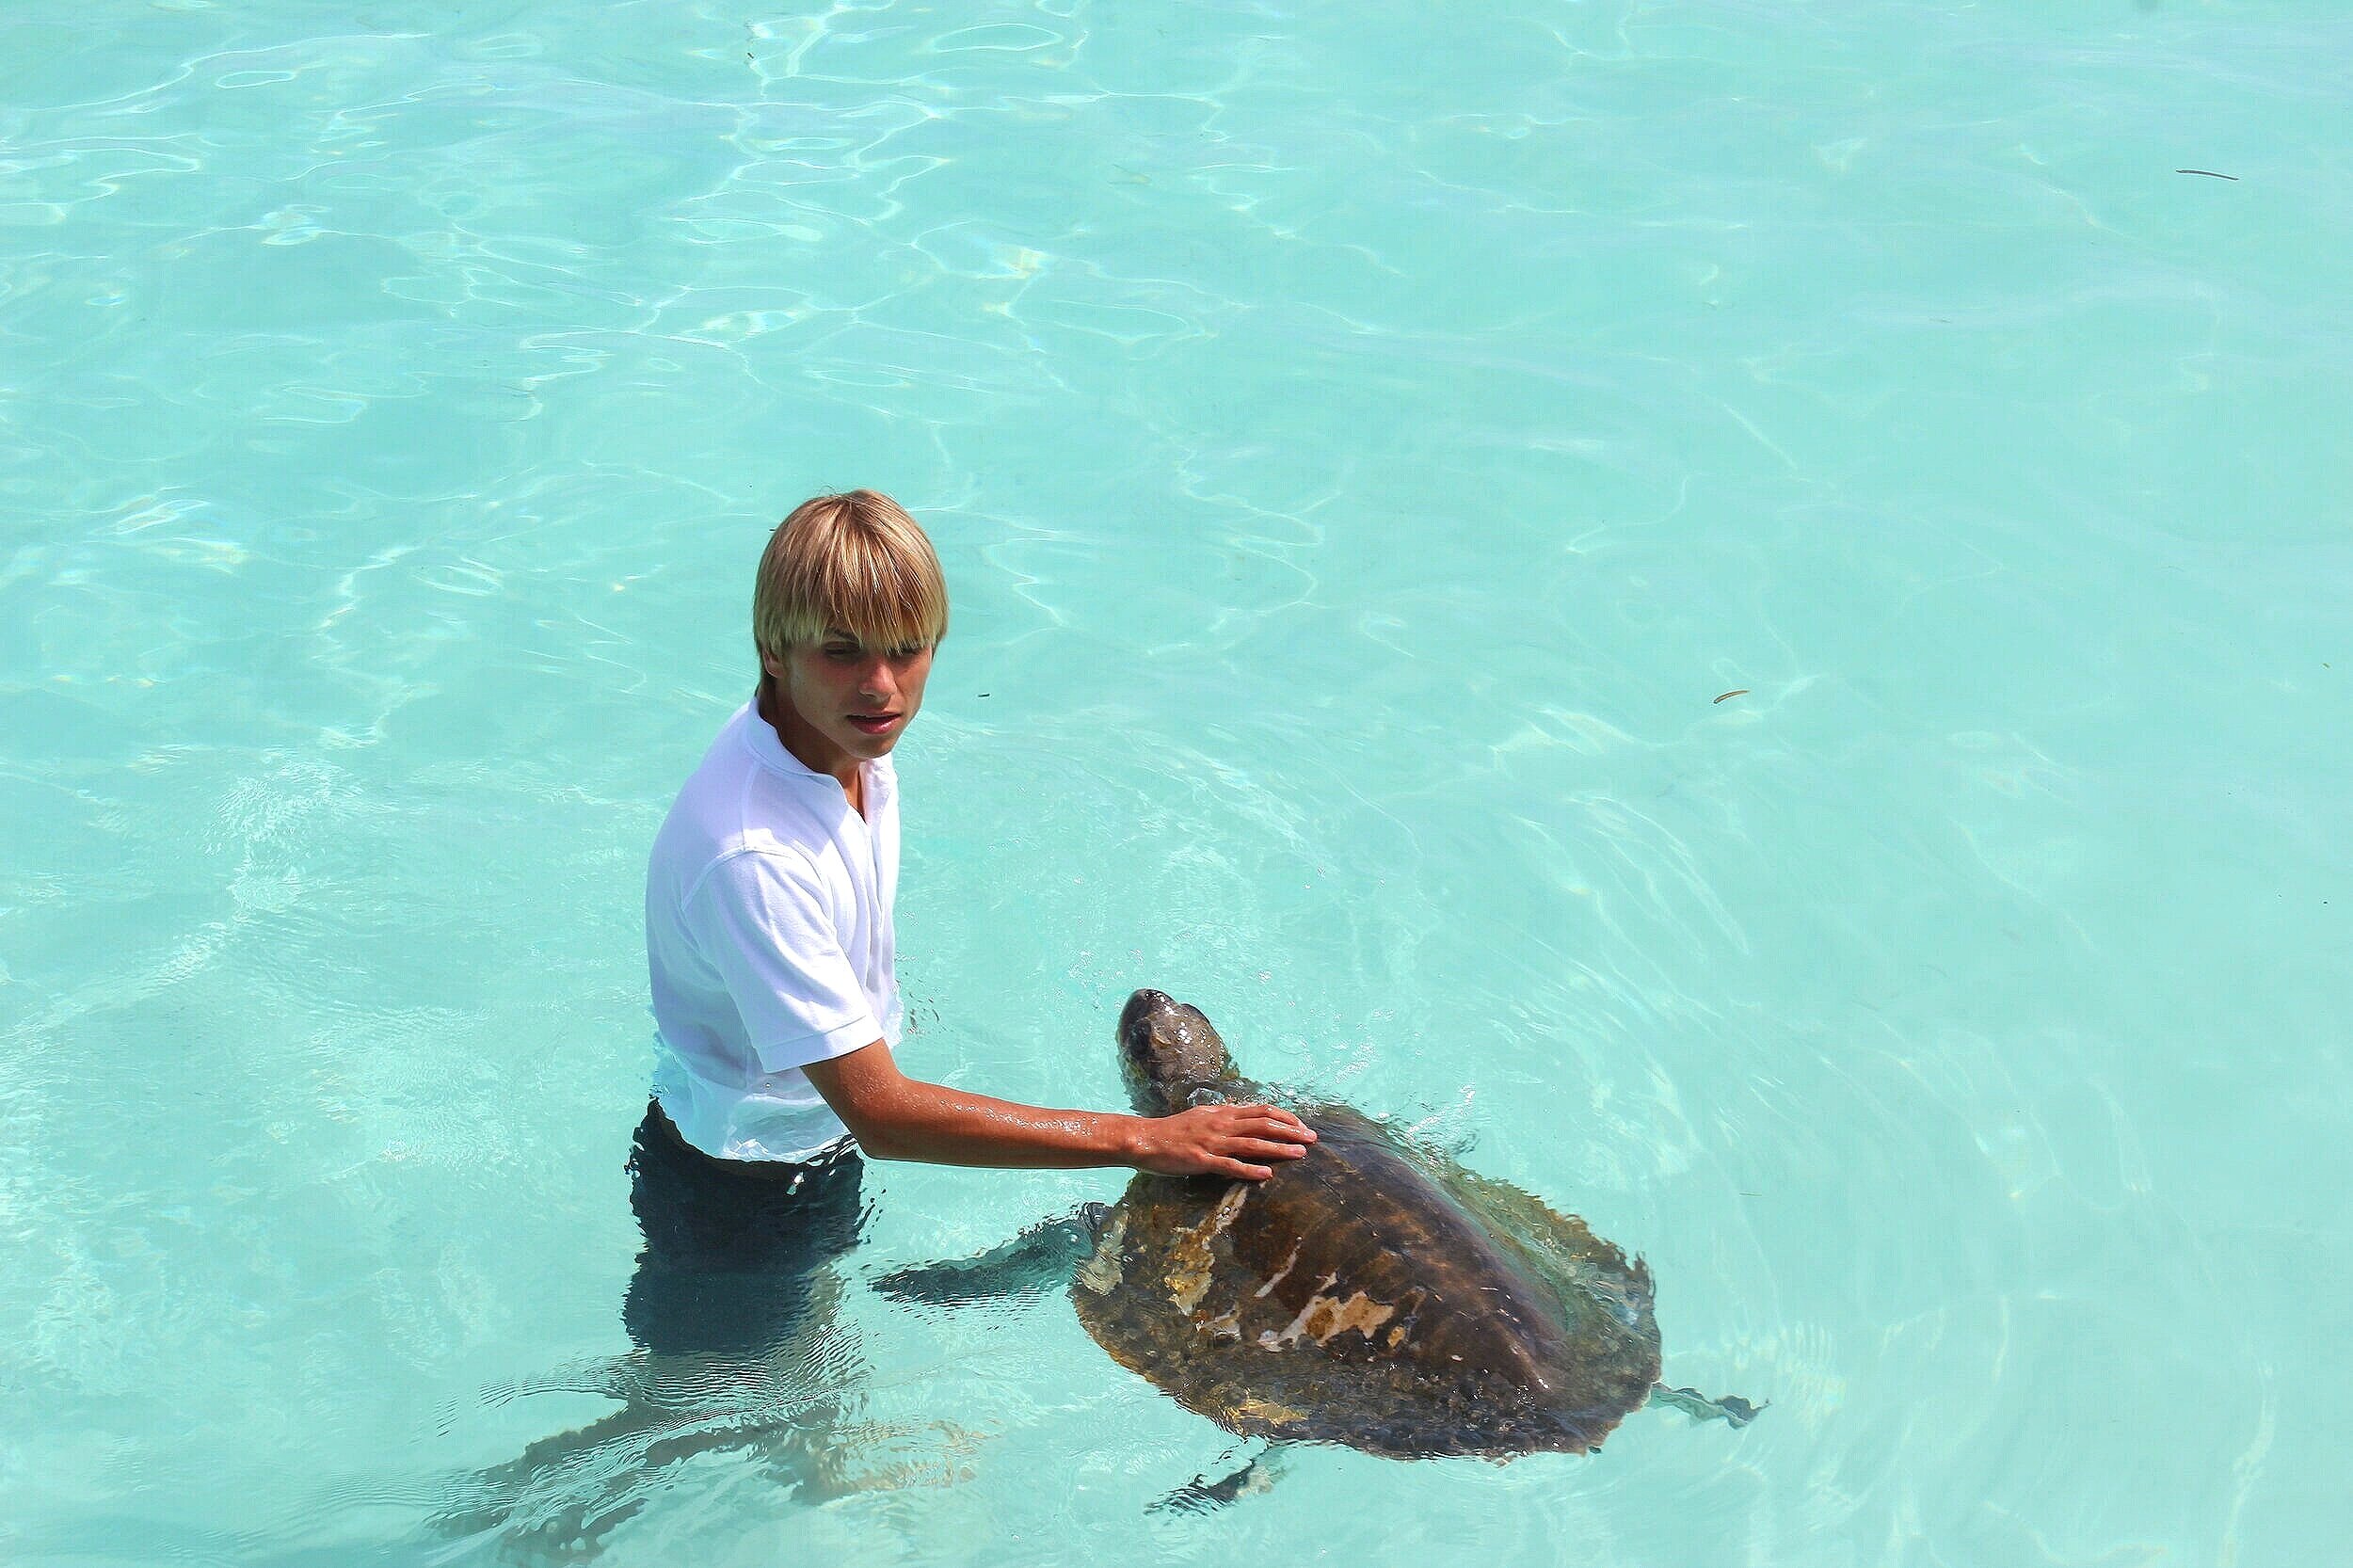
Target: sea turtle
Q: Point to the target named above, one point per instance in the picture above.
(1372, 1293)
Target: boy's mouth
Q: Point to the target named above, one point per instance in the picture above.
(873, 723)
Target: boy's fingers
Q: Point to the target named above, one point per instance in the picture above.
(1264, 1148)
(1276, 1114)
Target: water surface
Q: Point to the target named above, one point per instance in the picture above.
(1362, 446)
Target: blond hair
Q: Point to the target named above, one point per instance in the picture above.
(853, 563)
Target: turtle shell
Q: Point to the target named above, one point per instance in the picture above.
(1374, 1295)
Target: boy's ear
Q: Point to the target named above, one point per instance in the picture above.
(774, 665)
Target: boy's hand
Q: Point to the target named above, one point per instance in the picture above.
(1221, 1140)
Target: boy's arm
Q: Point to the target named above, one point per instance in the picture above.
(896, 1117)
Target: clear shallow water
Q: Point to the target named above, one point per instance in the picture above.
(1362, 446)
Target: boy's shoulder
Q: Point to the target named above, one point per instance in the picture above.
(734, 804)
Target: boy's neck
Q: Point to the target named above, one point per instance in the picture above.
(810, 748)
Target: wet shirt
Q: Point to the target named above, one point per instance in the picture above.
(768, 942)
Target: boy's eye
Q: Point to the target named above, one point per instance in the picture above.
(843, 653)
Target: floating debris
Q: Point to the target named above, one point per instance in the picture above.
(2207, 172)
(1742, 691)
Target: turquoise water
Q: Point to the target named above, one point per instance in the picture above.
(1363, 442)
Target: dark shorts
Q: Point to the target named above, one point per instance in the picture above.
(732, 1246)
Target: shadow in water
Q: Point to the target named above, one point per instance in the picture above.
(739, 1349)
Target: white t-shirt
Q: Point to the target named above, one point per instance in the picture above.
(769, 943)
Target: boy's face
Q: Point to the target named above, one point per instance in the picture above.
(853, 702)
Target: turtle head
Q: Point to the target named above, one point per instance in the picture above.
(1166, 1051)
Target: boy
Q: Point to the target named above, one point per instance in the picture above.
(769, 942)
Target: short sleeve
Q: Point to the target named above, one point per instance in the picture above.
(761, 921)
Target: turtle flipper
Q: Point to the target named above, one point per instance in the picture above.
(1732, 1408)
(1201, 1495)
(1039, 1259)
